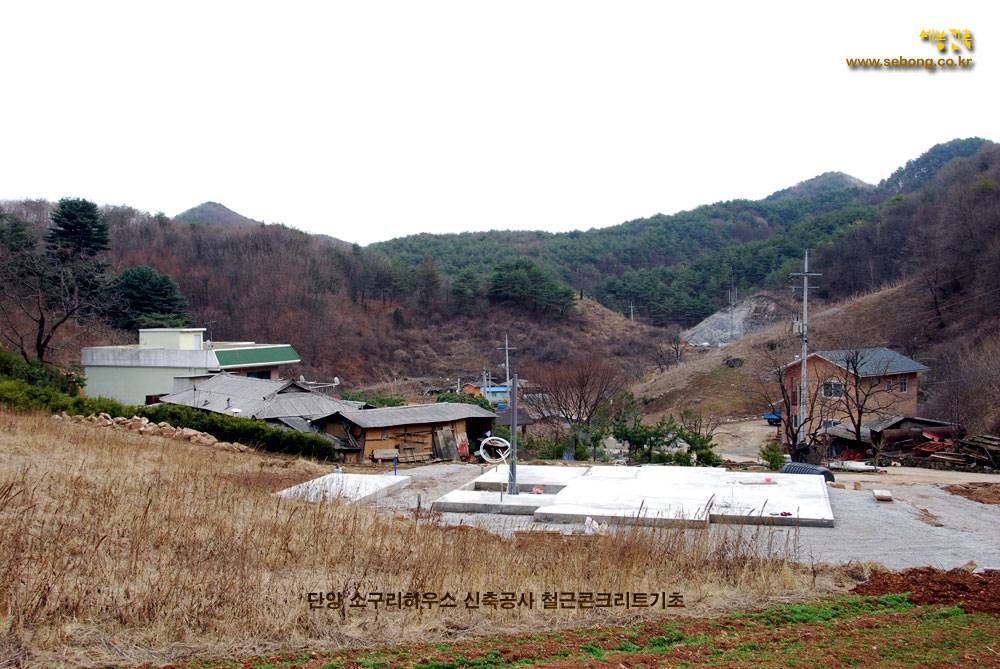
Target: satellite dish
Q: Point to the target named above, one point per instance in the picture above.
(302, 378)
(336, 380)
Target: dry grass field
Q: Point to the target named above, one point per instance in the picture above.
(121, 548)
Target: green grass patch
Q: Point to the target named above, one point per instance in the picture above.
(819, 612)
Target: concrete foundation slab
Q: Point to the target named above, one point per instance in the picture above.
(669, 495)
(489, 501)
(354, 487)
(529, 477)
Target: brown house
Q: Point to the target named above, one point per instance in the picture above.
(851, 387)
(411, 433)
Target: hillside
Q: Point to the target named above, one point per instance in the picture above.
(678, 269)
(352, 312)
(213, 212)
(828, 181)
(379, 314)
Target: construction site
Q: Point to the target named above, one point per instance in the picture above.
(863, 516)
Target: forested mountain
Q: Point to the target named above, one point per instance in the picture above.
(679, 268)
(213, 212)
(434, 305)
(918, 172)
(825, 182)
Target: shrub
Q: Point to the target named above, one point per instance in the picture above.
(773, 454)
(37, 374)
(465, 398)
(707, 457)
(21, 396)
(375, 399)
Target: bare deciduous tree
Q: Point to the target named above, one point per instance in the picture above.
(41, 291)
(577, 390)
(770, 387)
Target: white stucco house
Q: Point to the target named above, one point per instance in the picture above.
(140, 373)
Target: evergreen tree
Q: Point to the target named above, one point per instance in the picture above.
(78, 229)
(148, 299)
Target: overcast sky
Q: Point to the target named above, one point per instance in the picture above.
(371, 120)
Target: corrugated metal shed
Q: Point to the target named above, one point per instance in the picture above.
(443, 412)
(887, 422)
(257, 398)
(846, 432)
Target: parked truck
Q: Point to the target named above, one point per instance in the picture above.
(773, 418)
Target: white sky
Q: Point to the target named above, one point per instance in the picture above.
(370, 120)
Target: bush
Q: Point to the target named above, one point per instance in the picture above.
(707, 457)
(465, 398)
(21, 396)
(379, 400)
(16, 367)
(773, 454)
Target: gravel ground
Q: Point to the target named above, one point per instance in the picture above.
(923, 526)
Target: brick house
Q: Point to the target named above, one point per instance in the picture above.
(851, 386)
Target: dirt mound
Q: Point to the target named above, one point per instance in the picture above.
(984, 493)
(976, 592)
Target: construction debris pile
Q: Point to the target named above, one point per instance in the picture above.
(940, 445)
(142, 425)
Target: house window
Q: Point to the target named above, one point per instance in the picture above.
(903, 382)
(830, 422)
(266, 374)
(888, 385)
(833, 389)
(385, 433)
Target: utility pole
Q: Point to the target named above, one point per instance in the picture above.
(732, 308)
(801, 410)
(512, 477)
(631, 311)
(506, 348)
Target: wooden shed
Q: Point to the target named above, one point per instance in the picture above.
(413, 433)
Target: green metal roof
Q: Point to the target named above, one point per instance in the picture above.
(258, 355)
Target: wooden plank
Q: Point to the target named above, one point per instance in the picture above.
(385, 453)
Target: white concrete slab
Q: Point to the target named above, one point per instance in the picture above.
(489, 501)
(354, 487)
(851, 466)
(549, 479)
(666, 495)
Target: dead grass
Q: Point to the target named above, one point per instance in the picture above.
(120, 548)
(704, 381)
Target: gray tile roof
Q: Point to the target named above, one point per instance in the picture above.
(873, 361)
(442, 412)
(257, 398)
(886, 422)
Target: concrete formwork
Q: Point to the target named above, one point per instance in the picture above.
(353, 487)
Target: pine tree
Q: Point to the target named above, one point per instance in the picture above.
(79, 230)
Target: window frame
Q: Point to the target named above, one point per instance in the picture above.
(829, 384)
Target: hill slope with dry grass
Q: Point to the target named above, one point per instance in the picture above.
(901, 317)
(127, 548)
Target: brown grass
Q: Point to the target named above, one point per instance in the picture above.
(122, 548)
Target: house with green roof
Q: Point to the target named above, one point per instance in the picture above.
(141, 373)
